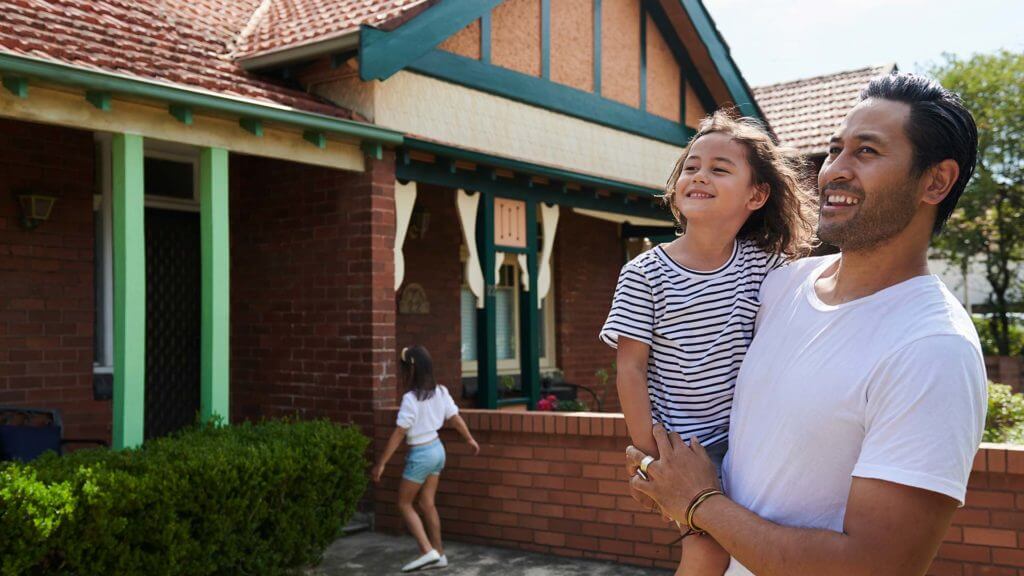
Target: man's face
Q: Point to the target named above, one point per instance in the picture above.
(868, 192)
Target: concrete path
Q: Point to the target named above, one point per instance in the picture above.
(370, 553)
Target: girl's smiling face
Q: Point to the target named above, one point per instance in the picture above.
(716, 183)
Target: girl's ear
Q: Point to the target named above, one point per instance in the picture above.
(759, 197)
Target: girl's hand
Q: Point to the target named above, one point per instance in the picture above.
(476, 447)
(376, 473)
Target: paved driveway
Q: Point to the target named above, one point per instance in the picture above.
(370, 553)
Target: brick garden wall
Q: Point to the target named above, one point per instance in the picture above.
(46, 277)
(1007, 370)
(588, 256)
(312, 290)
(556, 483)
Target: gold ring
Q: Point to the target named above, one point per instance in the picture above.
(645, 463)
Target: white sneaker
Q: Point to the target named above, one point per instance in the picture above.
(427, 559)
(441, 563)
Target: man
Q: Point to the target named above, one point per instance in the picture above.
(861, 402)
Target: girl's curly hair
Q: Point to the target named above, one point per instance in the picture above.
(786, 223)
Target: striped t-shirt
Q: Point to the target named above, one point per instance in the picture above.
(698, 326)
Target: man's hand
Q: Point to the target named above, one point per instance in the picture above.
(675, 478)
(644, 500)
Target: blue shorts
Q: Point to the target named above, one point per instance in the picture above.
(717, 454)
(424, 460)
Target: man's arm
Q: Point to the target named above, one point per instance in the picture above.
(889, 529)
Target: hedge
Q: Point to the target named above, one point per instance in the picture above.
(247, 499)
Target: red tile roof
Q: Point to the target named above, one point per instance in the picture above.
(280, 24)
(804, 113)
(181, 42)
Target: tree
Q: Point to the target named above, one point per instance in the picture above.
(989, 219)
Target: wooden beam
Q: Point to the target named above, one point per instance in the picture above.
(215, 280)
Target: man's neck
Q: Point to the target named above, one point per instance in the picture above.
(860, 273)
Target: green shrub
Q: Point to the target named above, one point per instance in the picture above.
(1004, 422)
(248, 499)
(988, 342)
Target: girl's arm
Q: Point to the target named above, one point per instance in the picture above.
(396, 438)
(631, 382)
(459, 424)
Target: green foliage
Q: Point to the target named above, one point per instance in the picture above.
(1004, 422)
(571, 406)
(989, 346)
(247, 499)
(988, 224)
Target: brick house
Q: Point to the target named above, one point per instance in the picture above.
(256, 203)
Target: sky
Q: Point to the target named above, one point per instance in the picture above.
(781, 40)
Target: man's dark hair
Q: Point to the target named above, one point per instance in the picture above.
(939, 127)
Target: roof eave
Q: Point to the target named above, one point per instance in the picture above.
(343, 42)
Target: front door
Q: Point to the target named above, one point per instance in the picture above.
(173, 317)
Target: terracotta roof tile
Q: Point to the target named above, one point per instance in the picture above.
(804, 113)
(280, 24)
(181, 42)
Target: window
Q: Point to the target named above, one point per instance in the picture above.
(507, 297)
(171, 182)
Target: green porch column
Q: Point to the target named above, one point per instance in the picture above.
(486, 320)
(529, 325)
(129, 292)
(213, 224)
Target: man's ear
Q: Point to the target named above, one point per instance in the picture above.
(939, 180)
(759, 198)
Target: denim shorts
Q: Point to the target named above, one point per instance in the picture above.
(424, 460)
(717, 454)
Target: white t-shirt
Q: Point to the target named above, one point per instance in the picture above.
(423, 418)
(890, 386)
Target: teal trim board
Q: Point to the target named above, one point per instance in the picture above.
(485, 38)
(382, 54)
(129, 291)
(545, 39)
(690, 73)
(535, 91)
(741, 94)
(16, 85)
(529, 316)
(215, 281)
(105, 82)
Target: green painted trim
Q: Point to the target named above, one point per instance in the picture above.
(100, 99)
(117, 84)
(690, 73)
(486, 318)
(182, 113)
(528, 168)
(485, 38)
(597, 47)
(519, 190)
(253, 126)
(529, 316)
(316, 138)
(16, 85)
(513, 401)
(545, 39)
(382, 54)
(129, 291)
(549, 95)
(643, 58)
(373, 150)
(742, 95)
(215, 340)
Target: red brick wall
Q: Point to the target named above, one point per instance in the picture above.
(588, 256)
(46, 277)
(312, 290)
(556, 483)
(987, 536)
(433, 263)
(1007, 370)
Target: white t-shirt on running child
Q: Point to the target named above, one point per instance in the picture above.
(890, 386)
(698, 326)
(423, 418)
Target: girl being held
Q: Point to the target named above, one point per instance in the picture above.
(683, 312)
(426, 407)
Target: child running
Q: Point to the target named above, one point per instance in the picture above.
(683, 312)
(425, 409)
